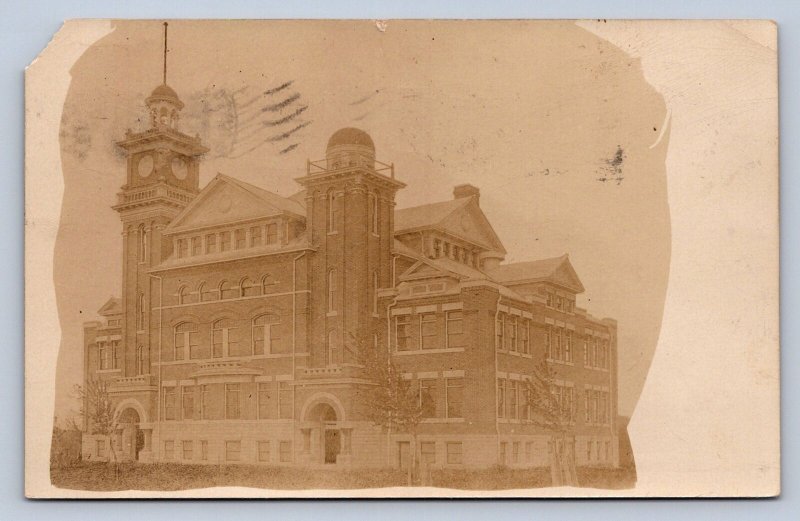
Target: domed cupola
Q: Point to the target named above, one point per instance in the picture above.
(164, 106)
(350, 147)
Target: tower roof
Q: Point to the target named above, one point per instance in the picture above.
(165, 93)
(351, 136)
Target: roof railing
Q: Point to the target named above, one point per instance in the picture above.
(322, 165)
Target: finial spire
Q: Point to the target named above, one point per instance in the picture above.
(165, 52)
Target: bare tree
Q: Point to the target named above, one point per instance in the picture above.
(392, 402)
(553, 415)
(98, 414)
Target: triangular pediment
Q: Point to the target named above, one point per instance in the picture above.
(113, 306)
(423, 270)
(470, 223)
(566, 276)
(222, 201)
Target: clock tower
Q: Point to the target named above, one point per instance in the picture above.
(162, 178)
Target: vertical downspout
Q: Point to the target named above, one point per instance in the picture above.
(496, 390)
(389, 354)
(294, 333)
(154, 449)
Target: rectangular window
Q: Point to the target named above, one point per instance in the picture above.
(196, 246)
(524, 335)
(187, 402)
(405, 340)
(557, 354)
(169, 403)
(183, 248)
(100, 448)
(224, 241)
(454, 324)
(587, 401)
(187, 449)
(204, 450)
(454, 395)
(169, 449)
(586, 352)
(105, 355)
(427, 331)
(285, 400)
(232, 403)
(211, 243)
(501, 398)
(263, 451)
(272, 233)
(500, 327)
(241, 239)
(548, 343)
(515, 452)
(512, 399)
(204, 402)
(454, 453)
(263, 400)
(503, 452)
(568, 346)
(427, 451)
(427, 397)
(233, 450)
(589, 450)
(255, 236)
(285, 451)
(608, 451)
(528, 451)
(511, 334)
(524, 401)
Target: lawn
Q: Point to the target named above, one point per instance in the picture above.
(171, 476)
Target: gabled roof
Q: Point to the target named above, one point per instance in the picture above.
(113, 306)
(226, 199)
(556, 270)
(461, 217)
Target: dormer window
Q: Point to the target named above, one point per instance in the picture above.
(241, 239)
(225, 241)
(255, 236)
(272, 233)
(211, 243)
(196, 246)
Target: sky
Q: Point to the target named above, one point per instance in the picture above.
(557, 127)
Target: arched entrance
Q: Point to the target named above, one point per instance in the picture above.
(331, 435)
(131, 437)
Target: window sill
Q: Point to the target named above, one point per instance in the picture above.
(442, 420)
(560, 362)
(429, 351)
(333, 233)
(107, 371)
(331, 314)
(515, 353)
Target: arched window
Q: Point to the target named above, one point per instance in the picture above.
(205, 292)
(226, 291)
(333, 211)
(374, 212)
(142, 243)
(268, 284)
(183, 295)
(265, 335)
(375, 292)
(186, 342)
(222, 338)
(140, 312)
(247, 288)
(332, 291)
(333, 348)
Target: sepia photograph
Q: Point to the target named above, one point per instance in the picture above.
(372, 258)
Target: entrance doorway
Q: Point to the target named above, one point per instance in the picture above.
(333, 445)
(132, 438)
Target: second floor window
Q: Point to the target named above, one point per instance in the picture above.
(272, 233)
(454, 396)
(141, 361)
(226, 290)
(405, 340)
(265, 337)
(454, 323)
(333, 211)
(186, 341)
(140, 312)
(427, 397)
(373, 208)
(169, 404)
(222, 338)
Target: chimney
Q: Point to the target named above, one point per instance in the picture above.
(461, 191)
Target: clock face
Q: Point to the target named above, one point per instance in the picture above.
(179, 167)
(145, 166)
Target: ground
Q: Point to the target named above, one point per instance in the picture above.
(170, 476)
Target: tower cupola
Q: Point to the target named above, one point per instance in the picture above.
(350, 147)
